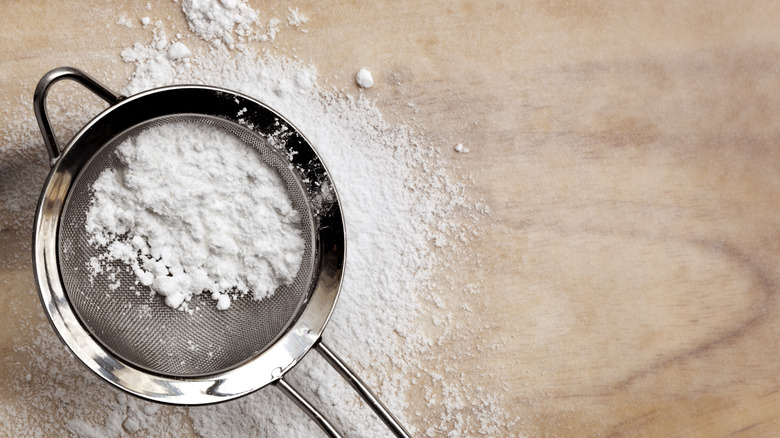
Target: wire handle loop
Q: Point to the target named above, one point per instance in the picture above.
(362, 389)
(365, 393)
(42, 90)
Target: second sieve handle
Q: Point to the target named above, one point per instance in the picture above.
(365, 393)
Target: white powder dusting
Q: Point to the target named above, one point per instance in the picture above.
(192, 208)
(295, 18)
(62, 398)
(271, 30)
(364, 78)
(124, 21)
(217, 20)
(398, 204)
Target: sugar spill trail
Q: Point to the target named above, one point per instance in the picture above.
(401, 212)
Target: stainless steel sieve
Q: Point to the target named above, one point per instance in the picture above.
(127, 335)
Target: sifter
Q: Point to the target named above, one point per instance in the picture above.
(133, 340)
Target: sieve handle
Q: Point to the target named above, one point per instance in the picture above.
(379, 408)
(39, 101)
(310, 410)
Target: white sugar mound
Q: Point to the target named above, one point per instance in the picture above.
(192, 208)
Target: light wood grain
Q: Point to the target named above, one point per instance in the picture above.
(629, 155)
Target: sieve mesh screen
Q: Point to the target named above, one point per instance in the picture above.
(134, 323)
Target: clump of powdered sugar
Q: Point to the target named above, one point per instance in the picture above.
(192, 208)
(217, 20)
(178, 51)
(364, 78)
(459, 148)
(234, 22)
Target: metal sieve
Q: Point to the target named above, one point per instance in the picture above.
(126, 334)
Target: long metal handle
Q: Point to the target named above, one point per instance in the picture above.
(379, 408)
(39, 101)
(307, 407)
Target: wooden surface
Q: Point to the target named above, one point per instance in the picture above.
(629, 155)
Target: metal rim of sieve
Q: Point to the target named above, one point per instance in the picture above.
(277, 357)
(302, 334)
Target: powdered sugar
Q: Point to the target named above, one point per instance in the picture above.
(192, 208)
(178, 51)
(216, 20)
(459, 148)
(364, 78)
(296, 18)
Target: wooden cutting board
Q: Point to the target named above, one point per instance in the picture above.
(629, 157)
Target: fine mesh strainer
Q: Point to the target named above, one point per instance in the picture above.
(127, 335)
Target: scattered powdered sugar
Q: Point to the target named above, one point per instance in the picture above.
(124, 21)
(295, 18)
(60, 397)
(216, 20)
(234, 22)
(193, 208)
(400, 212)
(272, 30)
